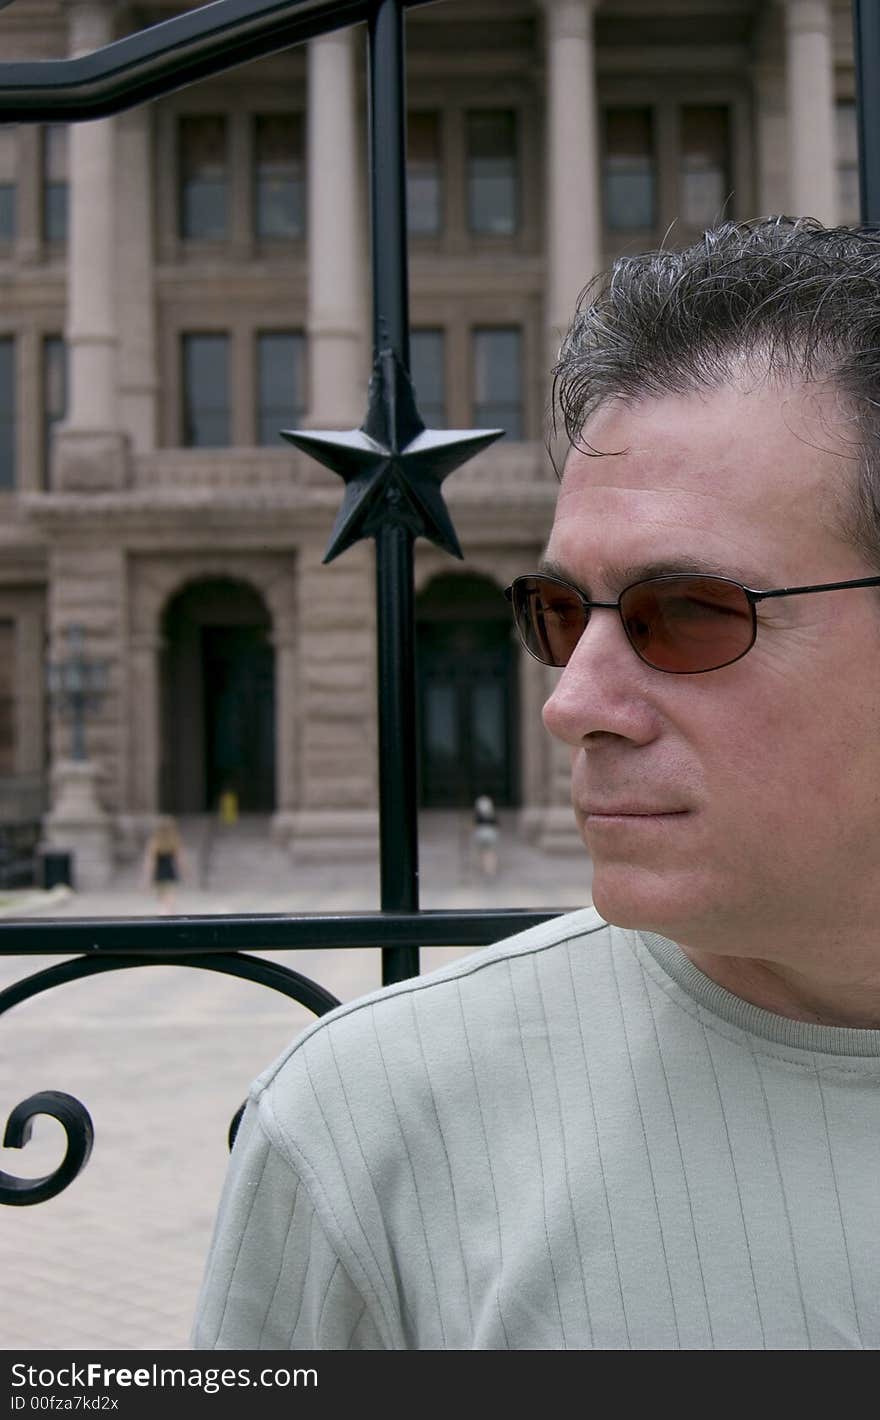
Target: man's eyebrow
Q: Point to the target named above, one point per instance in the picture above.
(624, 574)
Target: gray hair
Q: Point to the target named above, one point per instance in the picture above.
(783, 296)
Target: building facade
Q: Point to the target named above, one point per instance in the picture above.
(182, 281)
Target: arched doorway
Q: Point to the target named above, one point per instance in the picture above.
(218, 699)
(468, 713)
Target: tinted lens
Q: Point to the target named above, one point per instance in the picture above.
(550, 618)
(687, 624)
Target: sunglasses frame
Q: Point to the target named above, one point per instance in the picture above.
(753, 596)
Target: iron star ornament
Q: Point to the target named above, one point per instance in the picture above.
(392, 465)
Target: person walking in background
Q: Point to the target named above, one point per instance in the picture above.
(164, 862)
(486, 834)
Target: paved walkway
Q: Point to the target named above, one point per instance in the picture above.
(162, 1057)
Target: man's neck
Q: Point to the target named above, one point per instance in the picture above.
(796, 994)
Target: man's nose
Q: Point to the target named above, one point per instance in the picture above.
(603, 687)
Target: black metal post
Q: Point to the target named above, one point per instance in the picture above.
(387, 127)
(397, 737)
(866, 44)
(398, 817)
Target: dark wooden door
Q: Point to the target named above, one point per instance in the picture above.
(238, 668)
(466, 714)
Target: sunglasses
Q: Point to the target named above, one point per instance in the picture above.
(681, 623)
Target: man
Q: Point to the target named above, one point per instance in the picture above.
(665, 1132)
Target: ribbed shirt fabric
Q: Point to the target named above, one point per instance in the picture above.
(570, 1140)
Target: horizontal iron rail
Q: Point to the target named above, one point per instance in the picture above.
(170, 936)
(236, 964)
(167, 56)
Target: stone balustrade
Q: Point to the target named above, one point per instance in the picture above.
(505, 465)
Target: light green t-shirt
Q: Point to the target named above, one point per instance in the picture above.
(570, 1140)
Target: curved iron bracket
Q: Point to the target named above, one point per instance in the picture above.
(73, 1116)
(267, 973)
(76, 1122)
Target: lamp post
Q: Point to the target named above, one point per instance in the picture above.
(77, 829)
(76, 685)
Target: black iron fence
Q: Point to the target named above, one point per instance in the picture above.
(393, 469)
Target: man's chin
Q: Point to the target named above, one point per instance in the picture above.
(625, 904)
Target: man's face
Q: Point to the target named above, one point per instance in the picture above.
(738, 809)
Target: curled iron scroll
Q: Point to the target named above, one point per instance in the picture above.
(74, 1116)
(76, 1122)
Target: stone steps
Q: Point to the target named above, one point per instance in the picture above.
(242, 855)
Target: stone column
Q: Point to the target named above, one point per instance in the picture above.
(78, 825)
(144, 651)
(28, 235)
(90, 449)
(336, 815)
(141, 739)
(29, 673)
(287, 718)
(574, 256)
(574, 228)
(771, 133)
(338, 367)
(86, 582)
(810, 84)
(138, 378)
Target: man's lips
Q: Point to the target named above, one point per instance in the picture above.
(619, 820)
(627, 811)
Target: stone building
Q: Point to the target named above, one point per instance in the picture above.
(182, 281)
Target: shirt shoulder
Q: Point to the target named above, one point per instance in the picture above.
(384, 1064)
(431, 994)
(397, 1085)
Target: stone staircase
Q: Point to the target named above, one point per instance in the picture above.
(237, 857)
(239, 868)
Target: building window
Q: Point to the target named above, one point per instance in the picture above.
(205, 391)
(497, 358)
(54, 395)
(281, 383)
(705, 165)
(848, 201)
(279, 175)
(55, 183)
(424, 190)
(629, 169)
(203, 166)
(7, 412)
(7, 184)
(428, 371)
(492, 172)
